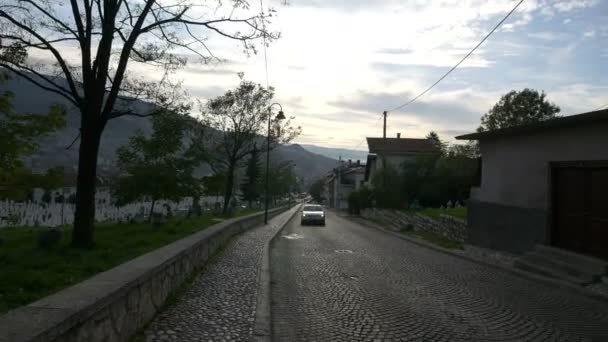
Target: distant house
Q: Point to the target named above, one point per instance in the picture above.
(395, 152)
(544, 183)
(343, 180)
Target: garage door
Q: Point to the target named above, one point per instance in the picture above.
(580, 207)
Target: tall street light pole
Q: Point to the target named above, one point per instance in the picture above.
(279, 117)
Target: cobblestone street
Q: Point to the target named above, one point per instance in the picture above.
(220, 304)
(346, 282)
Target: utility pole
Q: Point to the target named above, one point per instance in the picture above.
(338, 183)
(384, 131)
(384, 157)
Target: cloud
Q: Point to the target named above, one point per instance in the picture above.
(459, 108)
(570, 5)
(395, 51)
(589, 34)
(297, 67)
(340, 63)
(548, 35)
(345, 5)
(206, 92)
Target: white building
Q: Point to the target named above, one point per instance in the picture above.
(343, 180)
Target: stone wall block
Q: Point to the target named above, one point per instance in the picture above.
(100, 326)
(133, 301)
(450, 227)
(118, 316)
(146, 305)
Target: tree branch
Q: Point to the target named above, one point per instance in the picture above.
(52, 17)
(123, 60)
(67, 96)
(73, 142)
(56, 54)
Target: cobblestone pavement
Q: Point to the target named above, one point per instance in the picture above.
(220, 304)
(346, 282)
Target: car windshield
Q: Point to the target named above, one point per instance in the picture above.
(312, 208)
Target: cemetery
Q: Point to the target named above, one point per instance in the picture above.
(36, 258)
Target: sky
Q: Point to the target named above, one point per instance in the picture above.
(339, 63)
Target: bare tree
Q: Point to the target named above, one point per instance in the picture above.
(240, 116)
(81, 50)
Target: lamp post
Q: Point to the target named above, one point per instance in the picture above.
(279, 117)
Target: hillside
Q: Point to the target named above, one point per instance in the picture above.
(53, 152)
(336, 153)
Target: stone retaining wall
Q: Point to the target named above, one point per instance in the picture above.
(115, 304)
(451, 227)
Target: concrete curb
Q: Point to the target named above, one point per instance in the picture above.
(520, 273)
(262, 329)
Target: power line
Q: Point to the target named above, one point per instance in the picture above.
(462, 60)
(453, 68)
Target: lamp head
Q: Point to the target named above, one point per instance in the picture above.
(280, 116)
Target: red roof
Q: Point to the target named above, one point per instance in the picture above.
(400, 145)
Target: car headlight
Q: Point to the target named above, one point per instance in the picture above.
(322, 214)
(304, 214)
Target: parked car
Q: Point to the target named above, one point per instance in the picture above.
(312, 214)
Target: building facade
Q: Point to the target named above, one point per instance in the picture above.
(343, 180)
(394, 152)
(545, 183)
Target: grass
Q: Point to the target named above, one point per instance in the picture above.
(435, 212)
(28, 273)
(435, 239)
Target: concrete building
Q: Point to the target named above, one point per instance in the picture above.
(343, 180)
(395, 152)
(545, 183)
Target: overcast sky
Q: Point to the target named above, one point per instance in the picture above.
(340, 63)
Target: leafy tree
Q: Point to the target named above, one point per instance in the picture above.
(240, 117)
(282, 179)
(433, 181)
(387, 188)
(156, 167)
(19, 133)
(316, 190)
(46, 196)
(359, 200)
(214, 185)
(108, 37)
(250, 189)
(519, 108)
(468, 150)
(437, 142)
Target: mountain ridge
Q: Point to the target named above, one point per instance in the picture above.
(53, 151)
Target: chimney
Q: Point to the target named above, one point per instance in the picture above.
(398, 135)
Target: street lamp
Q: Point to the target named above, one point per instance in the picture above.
(280, 116)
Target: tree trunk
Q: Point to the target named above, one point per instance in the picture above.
(151, 210)
(196, 206)
(84, 216)
(228, 188)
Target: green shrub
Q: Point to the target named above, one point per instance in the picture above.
(354, 207)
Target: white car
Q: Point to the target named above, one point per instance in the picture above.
(313, 214)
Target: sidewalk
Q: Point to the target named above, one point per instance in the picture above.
(220, 304)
